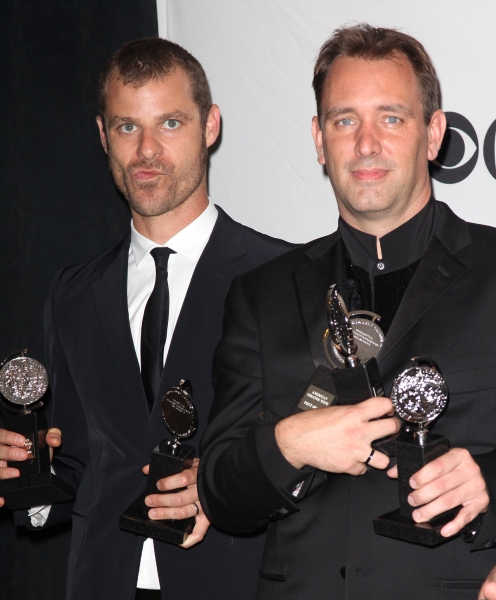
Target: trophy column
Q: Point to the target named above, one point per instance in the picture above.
(23, 382)
(168, 458)
(419, 396)
(351, 344)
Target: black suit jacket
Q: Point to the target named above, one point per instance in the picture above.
(323, 545)
(108, 432)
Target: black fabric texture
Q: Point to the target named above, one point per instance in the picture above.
(142, 594)
(381, 294)
(59, 204)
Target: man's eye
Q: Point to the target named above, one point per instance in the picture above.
(346, 122)
(392, 120)
(128, 128)
(171, 124)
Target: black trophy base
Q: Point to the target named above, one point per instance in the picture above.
(356, 384)
(320, 392)
(35, 490)
(328, 387)
(395, 525)
(164, 462)
(135, 519)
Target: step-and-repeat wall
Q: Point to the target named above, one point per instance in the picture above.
(259, 57)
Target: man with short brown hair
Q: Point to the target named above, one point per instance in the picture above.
(111, 359)
(313, 477)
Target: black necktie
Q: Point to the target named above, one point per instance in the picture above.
(154, 327)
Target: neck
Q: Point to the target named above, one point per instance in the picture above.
(380, 223)
(162, 228)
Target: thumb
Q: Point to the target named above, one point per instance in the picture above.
(54, 437)
(393, 472)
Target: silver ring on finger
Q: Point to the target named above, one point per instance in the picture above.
(197, 509)
(370, 457)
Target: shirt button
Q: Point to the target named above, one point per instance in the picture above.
(380, 266)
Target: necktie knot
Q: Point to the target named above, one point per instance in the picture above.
(161, 256)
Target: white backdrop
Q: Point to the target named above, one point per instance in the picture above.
(259, 56)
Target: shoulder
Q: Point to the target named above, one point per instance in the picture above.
(279, 271)
(247, 239)
(450, 222)
(482, 233)
(76, 278)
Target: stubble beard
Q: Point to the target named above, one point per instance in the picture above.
(165, 193)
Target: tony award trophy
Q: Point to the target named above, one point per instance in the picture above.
(419, 396)
(23, 382)
(168, 458)
(355, 340)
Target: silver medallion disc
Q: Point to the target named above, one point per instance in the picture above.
(179, 413)
(368, 336)
(419, 394)
(23, 380)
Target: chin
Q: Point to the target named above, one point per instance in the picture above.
(369, 207)
(378, 201)
(154, 207)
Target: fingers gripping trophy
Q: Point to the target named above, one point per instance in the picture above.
(168, 458)
(419, 396)
(23, 382)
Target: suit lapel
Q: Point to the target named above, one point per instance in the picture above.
(206, 292)
(312, 281)
(110, 294)
(437, 272)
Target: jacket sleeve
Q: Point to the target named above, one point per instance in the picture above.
(485, 537)
(67, 413)
(236, 491)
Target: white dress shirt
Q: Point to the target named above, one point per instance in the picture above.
(188, 244)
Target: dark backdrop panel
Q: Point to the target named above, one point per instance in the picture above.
(58, 203)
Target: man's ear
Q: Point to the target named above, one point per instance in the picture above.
(212, 127)
(317, 138)
(103, 133)
(436, 129)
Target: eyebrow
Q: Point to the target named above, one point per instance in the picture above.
(394, 108)
(177, 114)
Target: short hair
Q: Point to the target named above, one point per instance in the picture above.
(377, 43)
(140, 61)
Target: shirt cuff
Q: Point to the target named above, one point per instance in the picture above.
(39, 514)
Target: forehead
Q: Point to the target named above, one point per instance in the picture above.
(356, 81)
(166, 95)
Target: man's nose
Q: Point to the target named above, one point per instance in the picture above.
(368, 142)
(149, 144)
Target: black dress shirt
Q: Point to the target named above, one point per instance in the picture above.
(378, 284)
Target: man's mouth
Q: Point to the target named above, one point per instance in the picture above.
(369, 174)
(146, 174)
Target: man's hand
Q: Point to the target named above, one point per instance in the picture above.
(451, 480)
(179, 505)
(13, 448)
(337, 439)
(488, 589)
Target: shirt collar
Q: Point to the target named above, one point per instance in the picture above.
(400, 247)
(189, 242)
